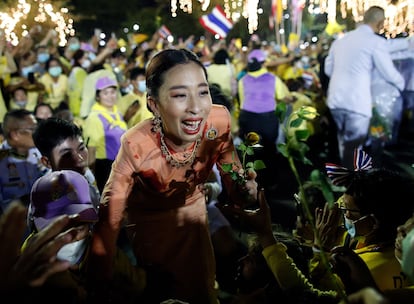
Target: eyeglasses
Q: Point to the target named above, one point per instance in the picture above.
(343, 208)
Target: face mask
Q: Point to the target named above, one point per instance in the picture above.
(142, 86)
(43, 57)
(86, 64)
(74, 46)
(360, 233)
(128, 89)
(350, 226)
(55, 71)
(92, 56)
(21, 104)
(26, 71)
(72, 252)
(408, 255)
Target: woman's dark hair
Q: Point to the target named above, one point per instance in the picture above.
(42, 104)
(163, 62)
(78, 55)
(135, 72)
(52, 58)
(221, 56)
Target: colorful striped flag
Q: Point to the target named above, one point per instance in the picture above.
(216, 22)
(276, 11)
(164, 31)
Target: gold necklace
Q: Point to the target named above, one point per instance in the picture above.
(173, 161)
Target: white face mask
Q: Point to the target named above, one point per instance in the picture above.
(142, 86)
(21, 104)
(407, 263)
(86, 64)
(72, 252)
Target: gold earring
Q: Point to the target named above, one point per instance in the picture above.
(156, 123)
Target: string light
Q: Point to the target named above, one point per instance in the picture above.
(15, 21)
(399, 17)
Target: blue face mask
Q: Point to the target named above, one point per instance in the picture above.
(74, 47)
(43, 57)
(142, 86)
(350, 226)
(92, 56)
(55, 71)
(27, 70)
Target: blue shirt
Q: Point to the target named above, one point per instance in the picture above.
(18, 174)
(350, 64)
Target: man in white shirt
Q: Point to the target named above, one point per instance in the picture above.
(349, 65)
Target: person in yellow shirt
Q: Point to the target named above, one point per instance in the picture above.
(133, 106)
(20, 100)
(103, 129)
(78, 73)
(371, 222)
(55, 82)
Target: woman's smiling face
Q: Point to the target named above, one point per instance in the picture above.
(183, 103)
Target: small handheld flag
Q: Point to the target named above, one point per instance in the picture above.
(164, 32)
(216, 22)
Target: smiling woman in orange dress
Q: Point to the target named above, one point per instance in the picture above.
(157, 183)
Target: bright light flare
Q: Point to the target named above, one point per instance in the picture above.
(15, 21)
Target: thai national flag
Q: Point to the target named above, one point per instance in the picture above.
(164, 32)
(216, 22)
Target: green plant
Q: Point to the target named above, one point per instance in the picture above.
(246, 148)
(296, 132)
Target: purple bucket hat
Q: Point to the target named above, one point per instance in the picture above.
(58, 193)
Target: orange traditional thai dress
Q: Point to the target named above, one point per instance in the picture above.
(165, 211)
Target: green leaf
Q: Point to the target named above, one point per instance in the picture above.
(283, 149)
(249, 151)
(234, 175)
(281, 110)
(249, 165)
(227, 167)
(296, 122)
(307, 161)
(242, 147)
(258, 164)
(302, 134)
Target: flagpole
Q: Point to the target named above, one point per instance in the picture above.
(282, 26)
(277, 32)
(299, 22)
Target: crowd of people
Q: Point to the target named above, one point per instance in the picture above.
(114, 188)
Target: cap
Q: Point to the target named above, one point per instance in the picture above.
(105, 82)
(58, 193)
(257, 54)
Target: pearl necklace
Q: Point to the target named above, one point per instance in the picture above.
(173, 161)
